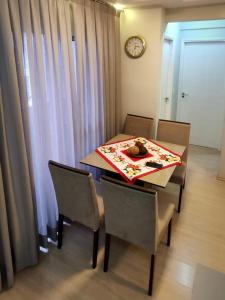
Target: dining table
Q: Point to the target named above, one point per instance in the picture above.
(159, 178)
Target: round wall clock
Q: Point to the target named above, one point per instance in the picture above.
(135, 46)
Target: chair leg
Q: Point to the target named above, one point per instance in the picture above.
(60, 231)
(95, 249)
(180, 198)
(151, 277)
(107, 249)
(169, 233)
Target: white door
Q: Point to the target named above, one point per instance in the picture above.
(202, 91)
(167, 76)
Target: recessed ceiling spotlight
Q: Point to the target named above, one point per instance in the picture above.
(118, 6)
(191, 0)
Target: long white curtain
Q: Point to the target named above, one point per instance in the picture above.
(52, 100)
(71, 66)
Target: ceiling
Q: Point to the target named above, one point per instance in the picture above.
(169, 3)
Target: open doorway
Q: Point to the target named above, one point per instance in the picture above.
(193, 79)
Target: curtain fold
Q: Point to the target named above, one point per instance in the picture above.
(6, 265)
(60, 77)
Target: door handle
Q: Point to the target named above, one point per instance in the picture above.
(166, 99)
(184, 94)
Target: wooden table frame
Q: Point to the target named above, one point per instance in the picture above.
(159, 178)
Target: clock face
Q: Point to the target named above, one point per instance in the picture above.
(135, 46)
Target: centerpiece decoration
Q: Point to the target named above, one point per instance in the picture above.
(138, 150)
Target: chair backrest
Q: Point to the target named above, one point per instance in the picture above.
(131, 212)
(138, 126)
(76, 194)
(174, 132)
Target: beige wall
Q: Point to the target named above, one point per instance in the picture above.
(211, 12)
(141, 77)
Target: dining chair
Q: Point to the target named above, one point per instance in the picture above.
(138, 126)
(77, 200)
(177, 133)
(136, 215)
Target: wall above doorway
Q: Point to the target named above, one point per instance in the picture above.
(169, 3)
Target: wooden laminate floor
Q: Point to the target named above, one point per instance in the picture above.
(198, 237)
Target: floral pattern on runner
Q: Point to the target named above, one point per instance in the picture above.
(131, 169)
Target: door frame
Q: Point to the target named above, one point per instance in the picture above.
(170, 75)
(180, 79)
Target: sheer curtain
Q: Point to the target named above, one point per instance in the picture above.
(70, 52)
(52, 102)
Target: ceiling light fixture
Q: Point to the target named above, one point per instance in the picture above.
(118, 6)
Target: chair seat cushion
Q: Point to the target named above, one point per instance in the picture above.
(178, 176)
(165, 213)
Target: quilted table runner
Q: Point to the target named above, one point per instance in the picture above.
(132, 168)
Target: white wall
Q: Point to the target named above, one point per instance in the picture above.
(214, 29)
(173, 32)
(198, 30)
(202, 30)
(141, 77)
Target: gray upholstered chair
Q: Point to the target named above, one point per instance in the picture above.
(136, 215)
(177, 133)
(138, 126)
(77, 200)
